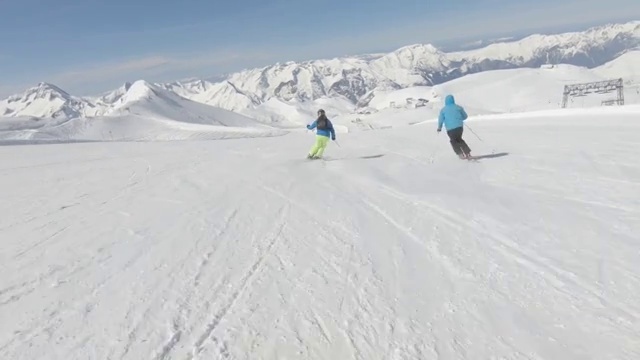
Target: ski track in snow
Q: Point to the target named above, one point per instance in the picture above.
(395, 250)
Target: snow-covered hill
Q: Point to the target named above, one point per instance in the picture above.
(521, 90)
(140, 111)
(391, 249)
(626, 66)
(511, 90)
(221, 94)
(147, 100)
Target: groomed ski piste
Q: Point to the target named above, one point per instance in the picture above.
(390, 248)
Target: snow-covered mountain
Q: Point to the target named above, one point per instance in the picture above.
(356, 78)
(138, 111)
(45, 101)
(221, 94)
(589, 48)
(350, 82)
(49, 101)
(147, 100)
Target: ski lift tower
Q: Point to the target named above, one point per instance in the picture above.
(599, 87)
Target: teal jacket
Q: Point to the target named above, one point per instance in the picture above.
(452, 116)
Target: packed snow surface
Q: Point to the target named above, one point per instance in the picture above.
(391, 248)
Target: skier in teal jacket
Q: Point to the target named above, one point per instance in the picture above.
(452, 116)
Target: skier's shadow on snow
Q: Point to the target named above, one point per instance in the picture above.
(491, 156)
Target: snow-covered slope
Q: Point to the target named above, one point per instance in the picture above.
(517, 90)
(221, 94)
(297, 113)
(146, 100)
(108, 99)
(626, 66)
(383, 99)
(142, 111)
(415, 64)
(394, 249)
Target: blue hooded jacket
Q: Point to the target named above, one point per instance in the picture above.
(328, 132)
(451, 115)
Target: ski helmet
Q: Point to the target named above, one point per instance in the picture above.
(321, 112)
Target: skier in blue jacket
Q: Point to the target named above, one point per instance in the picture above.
(324, 130)
(452, 116)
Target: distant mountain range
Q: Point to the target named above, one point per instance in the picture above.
(351, 79)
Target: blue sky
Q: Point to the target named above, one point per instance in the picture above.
(90, 46)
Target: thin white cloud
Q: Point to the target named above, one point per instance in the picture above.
(106, 71)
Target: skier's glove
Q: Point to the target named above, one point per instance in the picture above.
(439, 129)
(333, 138)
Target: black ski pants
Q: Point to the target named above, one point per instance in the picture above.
(459, 146)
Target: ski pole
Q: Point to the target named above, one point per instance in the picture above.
(493, 151)
(473, 132)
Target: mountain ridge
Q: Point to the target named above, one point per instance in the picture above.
(351, 78)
